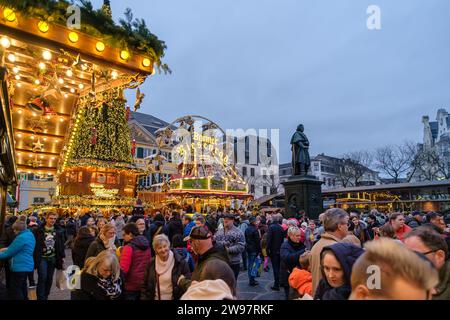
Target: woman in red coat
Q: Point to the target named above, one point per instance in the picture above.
(134, 258)
(397, 220)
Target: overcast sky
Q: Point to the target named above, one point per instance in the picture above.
(278, 63)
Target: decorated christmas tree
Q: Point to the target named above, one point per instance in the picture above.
(99, 167)
(102, 136)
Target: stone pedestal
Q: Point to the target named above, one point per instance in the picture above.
(303, 193)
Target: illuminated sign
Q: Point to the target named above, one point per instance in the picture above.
(100, 191)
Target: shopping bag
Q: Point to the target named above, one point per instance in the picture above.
(255, 267)
(61, 281)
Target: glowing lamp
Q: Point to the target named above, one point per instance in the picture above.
(9, 14)
(73, 37)
(5, 42)
(43, 26)
(124, 55)
(100, 46)
(47, 55)
(146, 62)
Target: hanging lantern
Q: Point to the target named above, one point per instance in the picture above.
(133, 147)
(94, 136)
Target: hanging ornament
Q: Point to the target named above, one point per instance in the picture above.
(139, 97)
(133, 148)
(93, 136)
(41, 106)
(37, 146)
(34, 162)
(127, 113)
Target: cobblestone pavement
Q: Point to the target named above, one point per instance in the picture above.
(244, 291)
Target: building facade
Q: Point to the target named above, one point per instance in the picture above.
(257, 164)
(435, 148)
(143, 128)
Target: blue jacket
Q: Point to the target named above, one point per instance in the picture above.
(187, 228)
(20, 252)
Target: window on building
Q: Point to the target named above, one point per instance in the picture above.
(316, 166)
(252, 172)
(264, 190)
(140, 153)
(252, 188)
(37, 200)
(244, 171)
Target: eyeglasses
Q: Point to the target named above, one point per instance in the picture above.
(428, 252)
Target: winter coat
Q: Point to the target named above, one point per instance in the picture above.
(275, 238)
(301, 280)
(346, 254)
(184, 253)
(252, 240)
(234, 242)
(98, 246)
(180, 267)
(188, 228)
(326, 239)
(133, 260)
(79, 250)
(217, 252)
(443, 288)
(90, 289)
(174, 226)
(290, 253)
(402, 232)
(71, 227)
(60, 254)
(244, 225)
(20, 252)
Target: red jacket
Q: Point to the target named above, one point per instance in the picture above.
(133, 260)
(402, 232)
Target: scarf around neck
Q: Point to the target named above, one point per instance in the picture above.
(162, 267)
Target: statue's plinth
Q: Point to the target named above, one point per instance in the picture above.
(303, 193)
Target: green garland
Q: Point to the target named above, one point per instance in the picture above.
(133, 35)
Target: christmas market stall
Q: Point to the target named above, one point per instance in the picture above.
(66, 70)
(203, 174)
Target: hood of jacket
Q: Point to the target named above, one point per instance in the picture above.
(208, 290)
(346, 254)
(140, 242)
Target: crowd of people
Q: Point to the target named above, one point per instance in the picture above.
(174, 255)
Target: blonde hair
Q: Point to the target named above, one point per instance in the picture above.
(105, 257)
(160, 238)
(394, 261)
(106, 228)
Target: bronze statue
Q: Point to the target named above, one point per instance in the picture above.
(300, 153)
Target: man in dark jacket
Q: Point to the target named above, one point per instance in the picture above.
(372, 223)
(201, 244)
(275, 238)
(48, 254)
(253, 247)
(174, 226)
